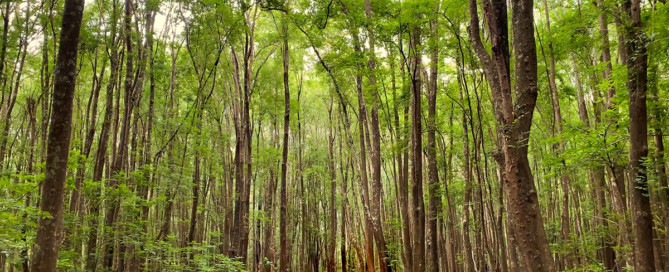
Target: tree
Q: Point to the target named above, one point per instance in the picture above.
(376, 200)
(187, 153)
(432, 171)
(637, 83)
(418, 238)
(515, 118)
(283, 262)
(50, 225)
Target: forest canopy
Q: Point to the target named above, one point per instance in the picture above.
(334, 135)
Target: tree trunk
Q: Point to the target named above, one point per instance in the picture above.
(466, 159)
(101, 155)
(433, 175)
(332, 238)
(91, 117)
(606, 50)
(243, 129)
(404, 179)
(658, 114)
(283, 233)
(368, 229)
(197, 119)
(49, 228)
(418, 238)
(515, 119)
(120, 159)
(376, 202)
(565, 181)
(637, 69)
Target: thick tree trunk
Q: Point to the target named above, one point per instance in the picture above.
(433, 175)
(404, 179)
(418, 239)
(49, 228)
(521, 189)
(637, 69)
(515, 119)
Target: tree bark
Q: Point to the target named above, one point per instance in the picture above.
(466, 158)
(197, 119)
(404, 169)
(376, 202)
(49, 228)
(418, 238)
(658, 113)
(283, 233)
(433, 175)
(515, 119)
(332, 239)
(637, 73)
(243, 130)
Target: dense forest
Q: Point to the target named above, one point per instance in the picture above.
(334, 135)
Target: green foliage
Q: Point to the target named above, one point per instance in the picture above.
(198, 67)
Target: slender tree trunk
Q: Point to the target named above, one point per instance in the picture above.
(376, 201)
(31, 106)
(197, 119)
(121, 155)
(658, 114)
(91, 117)
(565, 181)
(243, 128)
(605, 49)
(283, 233)
(332, 239)
(101, 158)
(3, 47)
(344, 182)
(368, 228)
(14, 84)
(580, 95)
